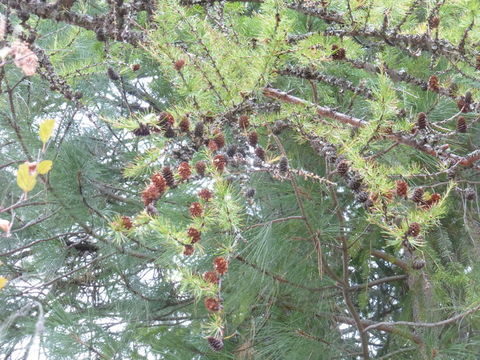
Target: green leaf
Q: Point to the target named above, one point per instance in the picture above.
(25, 180)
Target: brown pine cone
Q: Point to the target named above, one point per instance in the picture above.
(253, 138)
(184, 170)
(179, 64)
(418, 195)
(205, 194)
(342, 168)
(243, 122)
(211, 277)
(413, 229)
(463, 105)
(219, 140)
(470, 194)
(338, 53)
(168, 176)
(433, 22)
(199, 130)
(142, 130)
(418, 263)
(126, 222)
(188, 250)
(194, 235)
(355, 183)
(212, 145)
(196, 209)
(401, 188)
(461, 125)
(200, 167)
(219, 162)
(150, 194)
(260, 153)
(184, 124)
(215, 343)
(212, 304)
(159, 181)
(283, 165)
(165, 120)
(221, 265)
(422, 121)
(433, 83)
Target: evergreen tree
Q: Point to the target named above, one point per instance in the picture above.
(239, 179)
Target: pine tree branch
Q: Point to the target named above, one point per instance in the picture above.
(22, 204)
(390, 329)
(280, 279)
(274, 222)
(378, 282)
(397, 76)
(309, 74)
(329, 343)
(89, 347)
(35, 221)
(321, 262)
(29, 245)
(407, 42)
(309, 8)
(427, 325)
(391, 259)
(93, 23)
(346, 273)
(97, 259)
(467, 160)
(209, 2)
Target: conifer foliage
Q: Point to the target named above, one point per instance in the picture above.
(265, 179)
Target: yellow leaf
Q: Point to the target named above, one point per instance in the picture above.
(25, 180)
(275, 159)
(46, 129)
(3, 282)
(44, 167)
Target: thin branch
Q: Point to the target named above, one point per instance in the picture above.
(274, 221)
(427, 325)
